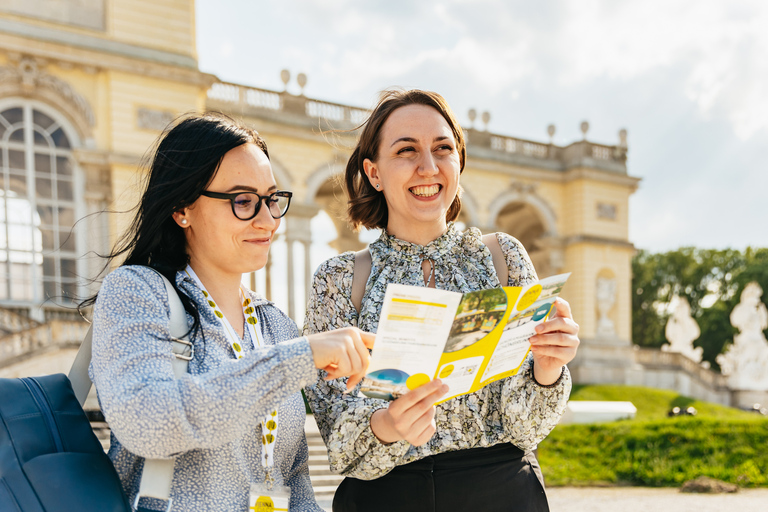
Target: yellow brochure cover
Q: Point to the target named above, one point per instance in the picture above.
(467, 340)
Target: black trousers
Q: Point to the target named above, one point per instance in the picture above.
(495, 479)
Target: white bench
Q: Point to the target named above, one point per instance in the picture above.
(585, 411)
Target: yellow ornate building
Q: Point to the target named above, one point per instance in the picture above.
(87, 85)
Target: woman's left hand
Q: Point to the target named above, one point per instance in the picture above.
(554, 344)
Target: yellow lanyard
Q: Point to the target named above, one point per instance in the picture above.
(269, 423)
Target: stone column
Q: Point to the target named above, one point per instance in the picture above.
(554, 247)
(93, 231)
(346, 240)
(297, 229)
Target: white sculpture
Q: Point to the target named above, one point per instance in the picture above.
(682, 330)
(606, 297)
(745, 362)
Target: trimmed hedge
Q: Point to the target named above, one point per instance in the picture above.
(657, 453)
(654, 450)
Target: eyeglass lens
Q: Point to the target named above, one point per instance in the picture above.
(246, 204)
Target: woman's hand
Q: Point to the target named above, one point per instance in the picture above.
(342, 352)
(410, 417)
(554, 344)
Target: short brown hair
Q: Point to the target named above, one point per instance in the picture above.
(367, 207)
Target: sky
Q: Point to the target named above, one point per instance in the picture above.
(688, 80)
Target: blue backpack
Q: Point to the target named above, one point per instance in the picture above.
(50, 459)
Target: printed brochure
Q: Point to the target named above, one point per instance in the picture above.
(467, 340)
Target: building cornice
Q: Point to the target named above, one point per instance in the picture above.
(144, 61)
(531, 171)
(95, 43)
(581, 173)
(599, 240)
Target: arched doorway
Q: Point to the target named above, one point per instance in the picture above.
(533, 225)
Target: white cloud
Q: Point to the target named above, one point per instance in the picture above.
(723, 50)
(225, 49)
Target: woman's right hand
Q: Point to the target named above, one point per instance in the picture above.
(411, 417)
(342, 352)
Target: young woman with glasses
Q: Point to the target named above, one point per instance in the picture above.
(208, 215)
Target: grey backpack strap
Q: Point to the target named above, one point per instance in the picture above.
(360, 274)
(158, 473)
(78, 373)
(499, 261)
(157, 476)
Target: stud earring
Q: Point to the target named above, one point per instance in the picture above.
(184, 221)
(378, 186)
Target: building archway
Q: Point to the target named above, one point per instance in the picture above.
(468, 216)
(530, 220)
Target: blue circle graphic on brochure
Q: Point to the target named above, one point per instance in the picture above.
(390, 375)
(387, 384)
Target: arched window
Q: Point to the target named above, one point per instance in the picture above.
(39, 203)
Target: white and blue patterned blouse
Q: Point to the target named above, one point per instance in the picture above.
(210, 418)
(514, 410)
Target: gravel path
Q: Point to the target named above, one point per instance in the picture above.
(645, 499)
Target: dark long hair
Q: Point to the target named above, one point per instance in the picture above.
(186, 159)
(367, 206)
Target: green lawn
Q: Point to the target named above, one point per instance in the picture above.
(655, 450)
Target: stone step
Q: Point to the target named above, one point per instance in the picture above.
(324, 492)
(321, 471)
(324, 482)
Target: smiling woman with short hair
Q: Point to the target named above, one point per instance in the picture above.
(473, 452)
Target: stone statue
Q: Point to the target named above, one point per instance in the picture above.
(745, 362)
(606, 297)
(682, 330)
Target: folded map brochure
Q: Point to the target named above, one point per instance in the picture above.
(467, 340)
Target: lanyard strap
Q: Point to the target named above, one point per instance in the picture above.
(269, 423)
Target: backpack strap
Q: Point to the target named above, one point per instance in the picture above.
(360, 274)
(157, 476)
(182, 348)
(499, 261)
(78, 373)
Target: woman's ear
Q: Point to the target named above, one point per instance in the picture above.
(180, 218)
(372, 172)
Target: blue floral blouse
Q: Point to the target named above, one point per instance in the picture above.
(515, 410)
(210, 418)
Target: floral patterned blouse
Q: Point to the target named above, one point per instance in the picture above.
(516, 410)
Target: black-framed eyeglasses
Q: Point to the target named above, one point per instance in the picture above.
(246, 205)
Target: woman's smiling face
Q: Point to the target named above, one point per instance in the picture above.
(417, 169)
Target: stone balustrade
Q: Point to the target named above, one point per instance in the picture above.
(42, 337)
(654, 358)
(13, 321)
(243, 100)
(234, 97)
